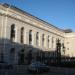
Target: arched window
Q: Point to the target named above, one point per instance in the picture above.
(52, 42)
(52, 39)
(37, 38)
(30, 37)
(21, 57)
(48, 41)
(22, 35)
(12, 34)
(42, 39)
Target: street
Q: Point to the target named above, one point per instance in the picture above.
(22, 70)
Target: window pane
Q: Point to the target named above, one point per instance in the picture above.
(12, 35)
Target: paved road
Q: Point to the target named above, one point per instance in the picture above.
(26, 73)
(22, 70)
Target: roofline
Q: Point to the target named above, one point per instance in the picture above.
(28, 14)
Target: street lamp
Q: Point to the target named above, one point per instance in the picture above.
(58, 51)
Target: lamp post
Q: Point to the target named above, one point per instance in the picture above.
(58, 51)
(63, 48)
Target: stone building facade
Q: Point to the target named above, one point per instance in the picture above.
(21, 32)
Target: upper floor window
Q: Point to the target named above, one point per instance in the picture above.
(52, 42)
(52, 39)
(37, 38)
(43, 39)
(30, 37)
(48, 41)
(12, 33)
(12, 55)
(22, 35)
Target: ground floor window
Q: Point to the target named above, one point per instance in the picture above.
(12, 55)
(21, 57)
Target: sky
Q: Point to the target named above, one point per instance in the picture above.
(60, 13)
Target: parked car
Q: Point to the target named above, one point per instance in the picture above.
(38, 67)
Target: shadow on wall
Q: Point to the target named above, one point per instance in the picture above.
(14, 52)
(17, 53)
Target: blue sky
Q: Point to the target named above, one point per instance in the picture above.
(60, 13)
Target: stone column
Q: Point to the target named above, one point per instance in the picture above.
(40, 40)
(34, 38)
(27, 36)
(17, 34)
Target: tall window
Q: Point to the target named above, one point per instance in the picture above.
(12, 55)
(30, 37)
(42, 39)
(48, 41)
(37, 38)
(52, 42)
(12, 34)
(22, 35)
